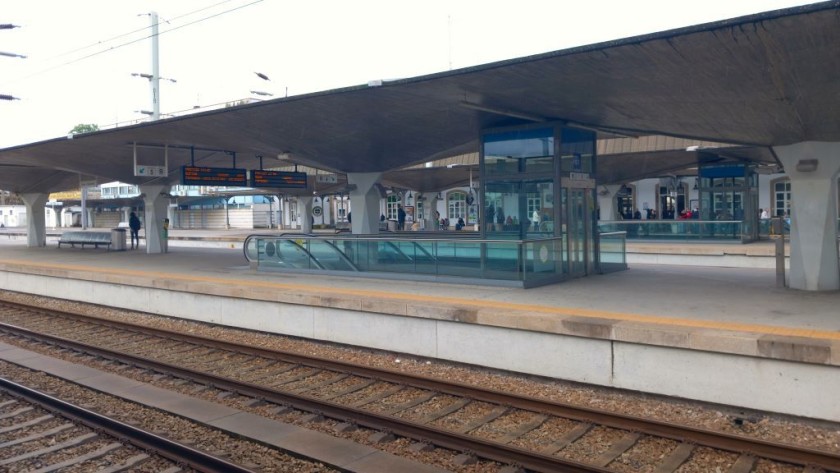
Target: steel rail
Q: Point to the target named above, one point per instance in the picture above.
(140, 438)
(719, 440)
(442, 438)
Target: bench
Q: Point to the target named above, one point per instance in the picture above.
(85, 238)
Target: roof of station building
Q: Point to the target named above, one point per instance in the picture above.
(755, 81)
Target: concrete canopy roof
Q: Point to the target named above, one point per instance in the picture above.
(762, 80)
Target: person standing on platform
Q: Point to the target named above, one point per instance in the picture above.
(400, 217)
(134, 226)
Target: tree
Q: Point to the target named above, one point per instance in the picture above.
(84, 128)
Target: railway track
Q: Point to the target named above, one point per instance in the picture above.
(43, 433)
(524, 432)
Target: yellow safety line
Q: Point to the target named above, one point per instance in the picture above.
(568, 311)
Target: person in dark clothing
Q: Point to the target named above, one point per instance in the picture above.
(400, 217)
(134, 226)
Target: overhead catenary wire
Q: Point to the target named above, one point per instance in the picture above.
(132, 41)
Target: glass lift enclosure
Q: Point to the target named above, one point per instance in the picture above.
(538, 183)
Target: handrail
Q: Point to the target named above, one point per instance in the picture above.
(308, 253)
(398, 250)
(392, 237)
(343, 256)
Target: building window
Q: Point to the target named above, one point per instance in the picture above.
(391, 207)
(672, 200)
(781, 197)
(625, 202)
(456, 204)
(534, 204)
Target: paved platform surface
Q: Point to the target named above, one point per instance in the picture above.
(680, 305)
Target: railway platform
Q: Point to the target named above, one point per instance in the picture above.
(724, 335)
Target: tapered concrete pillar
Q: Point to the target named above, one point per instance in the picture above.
(607, 202)
(364, 200)
(813, 168)
(156, 205)
(305, 217)
(36, 223)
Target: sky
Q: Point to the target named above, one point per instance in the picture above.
(80, 55)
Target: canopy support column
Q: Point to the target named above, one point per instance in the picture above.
(305, 209)
(156, 204)
(364, 202)
(607, 202)
(813, 167)
(36, 221)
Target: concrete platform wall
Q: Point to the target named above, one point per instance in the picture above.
(774, 385)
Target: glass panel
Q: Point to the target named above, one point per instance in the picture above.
(577, 151)
(513, 260)
(543, 258)
(577, 232)
(543, 165)
(613, 254)
(502, 214)
(520, 143)
(675, 229)
(541, 211)
(513, 152)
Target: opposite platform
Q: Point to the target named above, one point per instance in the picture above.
(711, 334)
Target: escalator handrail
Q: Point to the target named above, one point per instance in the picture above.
(342, 255)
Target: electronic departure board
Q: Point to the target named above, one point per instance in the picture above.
(201, 176)
(261, 178)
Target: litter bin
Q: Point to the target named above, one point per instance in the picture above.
(118, 239)
(392, 225)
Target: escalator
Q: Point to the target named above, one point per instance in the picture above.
(297, 251)
(516, 263)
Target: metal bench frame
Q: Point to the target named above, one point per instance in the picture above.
(85, 238)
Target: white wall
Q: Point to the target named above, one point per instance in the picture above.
(13, 215)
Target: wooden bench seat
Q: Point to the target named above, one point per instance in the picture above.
(85, 238)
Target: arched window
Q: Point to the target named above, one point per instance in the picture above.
(456, 205)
